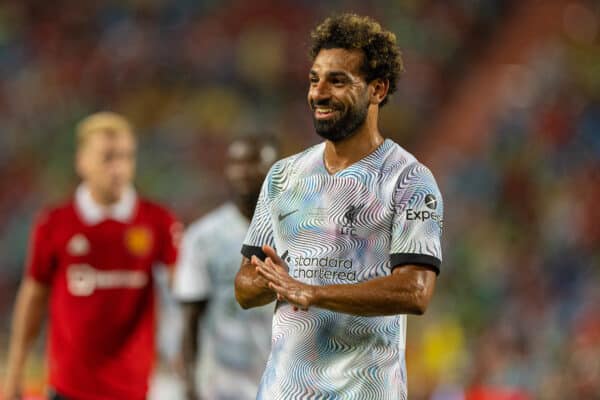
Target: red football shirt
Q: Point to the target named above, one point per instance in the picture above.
(102, 304)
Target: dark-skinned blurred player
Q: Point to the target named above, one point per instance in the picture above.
(233, 344)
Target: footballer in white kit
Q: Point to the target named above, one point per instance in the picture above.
(346, 235)
(234, 344)
(352, 226)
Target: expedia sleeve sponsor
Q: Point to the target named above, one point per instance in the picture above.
(418, 219)
(424, 215)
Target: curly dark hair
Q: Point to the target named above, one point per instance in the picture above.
(382, 57)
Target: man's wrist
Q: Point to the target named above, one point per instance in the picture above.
(316, 295)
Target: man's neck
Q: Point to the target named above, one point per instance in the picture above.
(104, 200)
(246, 205)
(342, 154)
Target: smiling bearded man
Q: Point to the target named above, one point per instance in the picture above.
(356, 221)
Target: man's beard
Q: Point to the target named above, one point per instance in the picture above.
(338, 129)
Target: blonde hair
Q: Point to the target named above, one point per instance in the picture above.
(102, 122)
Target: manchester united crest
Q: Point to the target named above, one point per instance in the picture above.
(138, 241)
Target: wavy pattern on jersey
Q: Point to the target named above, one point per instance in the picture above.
(374, 271)
(414, 184)
(336, 367)
(333, 361)
(261, 231)
(356, 218)
(302, 230)
(293, 377)
(361, 327)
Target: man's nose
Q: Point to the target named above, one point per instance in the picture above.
(320, 92)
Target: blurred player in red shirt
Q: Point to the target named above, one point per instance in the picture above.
(90, 265)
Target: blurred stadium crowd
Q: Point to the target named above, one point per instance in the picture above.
(516, 311)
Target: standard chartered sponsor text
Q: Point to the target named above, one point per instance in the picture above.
(329, 268)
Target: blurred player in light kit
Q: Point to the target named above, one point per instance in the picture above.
(234, 344)
(346, 234)
(90, 268)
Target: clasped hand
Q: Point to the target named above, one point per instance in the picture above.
(274, 271)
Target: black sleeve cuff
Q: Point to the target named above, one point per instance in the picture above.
(249, 251)
(430, 262)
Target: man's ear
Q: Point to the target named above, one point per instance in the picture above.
(378, 89)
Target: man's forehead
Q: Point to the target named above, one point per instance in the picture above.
(337, 59)
(108, 137)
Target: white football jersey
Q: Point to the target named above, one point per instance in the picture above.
(235, 343)
(381, 212)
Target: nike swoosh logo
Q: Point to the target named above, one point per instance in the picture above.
(284, 216)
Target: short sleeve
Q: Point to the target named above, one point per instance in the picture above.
(192, 279)
(261, 227)
(418, 219)
(41, 259)
(171, 232)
